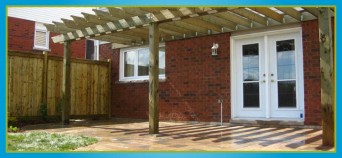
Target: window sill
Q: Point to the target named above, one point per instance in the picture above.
(161, 79)
(41, 49)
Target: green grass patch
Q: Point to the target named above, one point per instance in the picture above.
(43, 141)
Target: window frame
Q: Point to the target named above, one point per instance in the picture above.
(135, 77)
(39, 27)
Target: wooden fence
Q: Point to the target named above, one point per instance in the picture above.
(34, 79)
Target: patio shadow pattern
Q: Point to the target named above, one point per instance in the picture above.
(123, 135)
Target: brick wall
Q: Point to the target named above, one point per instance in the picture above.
(20, 34)
(106, 51)
(78, 48)
(195, 80)
(312, 76)
(21, 38)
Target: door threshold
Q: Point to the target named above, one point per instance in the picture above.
(268, 122)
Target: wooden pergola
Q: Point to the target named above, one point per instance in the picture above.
(141, 26)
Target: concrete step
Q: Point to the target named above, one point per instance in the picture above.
(270, 123)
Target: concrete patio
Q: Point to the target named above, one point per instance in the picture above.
(128, 135)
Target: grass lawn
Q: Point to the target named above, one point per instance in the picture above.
(43, 141)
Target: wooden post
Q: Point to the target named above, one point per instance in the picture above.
(109, 89)
(327, 76)
(66, 83)
(44, 86)
(153, 78)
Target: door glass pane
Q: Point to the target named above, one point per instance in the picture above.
(251, 95)
(143, 62)
(129, 58)
(286, 59)
(286, 94)
(250, 62)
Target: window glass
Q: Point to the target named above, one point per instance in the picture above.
(143, 62)
(129, 58)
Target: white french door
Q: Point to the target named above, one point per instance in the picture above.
(267, 75)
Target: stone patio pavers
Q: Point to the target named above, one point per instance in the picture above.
(124, 135)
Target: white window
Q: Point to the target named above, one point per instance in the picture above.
(134, 63)
(41, 37)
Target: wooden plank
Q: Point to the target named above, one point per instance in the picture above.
(109, 85)
(81, 22)
(24, 87)
(96, 89)
(66, 83)
(93, 18)
(104, 15)
(234, 18)
(327, 76)
(251, 16)
(98, 95)
(153, 79)
(73, 91)
(70, 24)
(188, 26)
(202, 23)
(50, 77)
(44, 79)
(10, 85)
(84, 89)
(312, 10)
(219, 21)
(33, 88)
(269, 13)
(89, 88)
(291, 12)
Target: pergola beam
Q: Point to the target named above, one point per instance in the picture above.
(269, 13)
(312, 10)
(251, 16)
(291, 12)
(234, 18)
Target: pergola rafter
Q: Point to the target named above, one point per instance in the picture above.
(178, 22)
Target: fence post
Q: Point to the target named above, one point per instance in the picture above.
(66, 83)
(109, 89)
(44, 86)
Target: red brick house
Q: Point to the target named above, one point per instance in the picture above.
(195, 80)
(261, 73)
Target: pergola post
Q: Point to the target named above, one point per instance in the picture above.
(153, 78)
(327, 76)
(66, 84)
